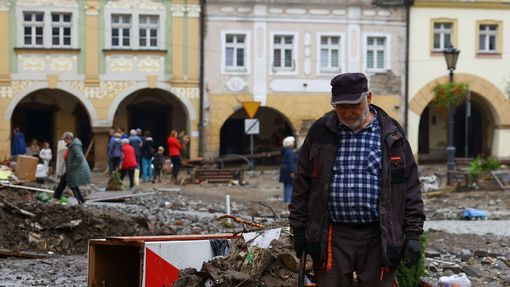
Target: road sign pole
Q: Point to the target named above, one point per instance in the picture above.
(251, 151)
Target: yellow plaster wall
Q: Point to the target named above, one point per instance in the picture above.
(5, 138)
(193, 48)
(390, 104)
(177, 48)
(4, 48)
(92, 50)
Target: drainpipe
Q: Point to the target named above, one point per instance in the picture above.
(201, 127)
(408, 4)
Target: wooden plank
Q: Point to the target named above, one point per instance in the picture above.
(119, 197)
(173, 237)
(21, 254)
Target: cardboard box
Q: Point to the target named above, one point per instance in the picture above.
(26, 167)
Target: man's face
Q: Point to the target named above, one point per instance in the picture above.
(353, 115)
(68, 140)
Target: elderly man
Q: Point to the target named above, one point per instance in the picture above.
(356, 204)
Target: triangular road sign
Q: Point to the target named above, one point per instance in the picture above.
(251, 108)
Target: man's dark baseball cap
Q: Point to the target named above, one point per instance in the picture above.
(348, 88)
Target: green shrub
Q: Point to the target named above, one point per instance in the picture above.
(410, 276)
(475, 169)
(489, 164)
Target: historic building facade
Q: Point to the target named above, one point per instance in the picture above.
(283, 54)
(479, 29)
(90, 65)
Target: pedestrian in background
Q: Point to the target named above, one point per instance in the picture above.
(33, 149)
(77, 168)
(45, 154)
(136, 142)
(288, 167)
(115, 152)
(356, 204)
(147, 154)
(158, 164)
(128, 164)
(174, 151)
(17, 142)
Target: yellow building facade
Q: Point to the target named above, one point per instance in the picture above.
(87, 66)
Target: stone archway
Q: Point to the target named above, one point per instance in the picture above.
(490, 101)
(274, 126)
(45, 114)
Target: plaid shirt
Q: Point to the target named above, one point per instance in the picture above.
(356, 179)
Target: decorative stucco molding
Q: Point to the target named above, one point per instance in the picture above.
(92, 8)
(136, 4)
(193, 11)
(46, 3)
(149, 65)
(178, 10)
(140, 64)
(39, 63)
(235, 84)
(107, 89)
(188, 93)
(5, 92)
(5, 5)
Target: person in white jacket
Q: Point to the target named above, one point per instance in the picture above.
(45, 154)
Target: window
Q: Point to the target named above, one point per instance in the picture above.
(442, 36)
(149, 32)
(330, 53)
(283, 46)
(61, 29)
(33, 29)
(235, 48)
(121, 31)
(376, 53)
(488, 38)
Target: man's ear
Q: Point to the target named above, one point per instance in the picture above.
(369, 97)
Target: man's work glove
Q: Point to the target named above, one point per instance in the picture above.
(412, 251)
(299, 241)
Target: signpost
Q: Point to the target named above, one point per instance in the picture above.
(251, 125)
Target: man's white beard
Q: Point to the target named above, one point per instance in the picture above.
(356, 124)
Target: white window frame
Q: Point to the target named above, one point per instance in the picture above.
(61, 25)
(442, 32)
(488, 33)
(122, 27)
(47, 28)
(135, 28)
(247, 60)
(341, 55)
(148, 27)
(33, 27)
(387, 50)
(281, 70)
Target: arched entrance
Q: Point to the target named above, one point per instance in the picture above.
(433, 131)
(45, 114)
(154, 110)
(274, 127)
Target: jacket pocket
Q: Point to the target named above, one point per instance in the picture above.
(398, 172)
(394, 253)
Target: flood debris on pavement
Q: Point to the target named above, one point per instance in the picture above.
(249, 263)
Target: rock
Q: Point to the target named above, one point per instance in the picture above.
(465, 255)
(454, 268)
(486, 261)
(481, 253)
(431, 253)
(471, 271)
(196, 230)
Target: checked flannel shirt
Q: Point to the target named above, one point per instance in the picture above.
(356, 179)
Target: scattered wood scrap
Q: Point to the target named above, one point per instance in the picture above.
(21, 254)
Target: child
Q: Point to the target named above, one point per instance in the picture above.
(158, 164)
(45, 154)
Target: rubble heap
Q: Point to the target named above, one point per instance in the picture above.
(28, 224)
(245, 266)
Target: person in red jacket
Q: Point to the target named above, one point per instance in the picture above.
(174, 151)
(129, 163)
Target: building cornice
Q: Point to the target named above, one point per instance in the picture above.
(480, 4)
(5, 5)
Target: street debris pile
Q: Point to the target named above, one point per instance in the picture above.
(485, 260)
(28, 224)
(264, 264)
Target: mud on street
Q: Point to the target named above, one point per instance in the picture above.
(60, 232)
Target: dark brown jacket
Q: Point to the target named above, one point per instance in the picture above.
(400, 205)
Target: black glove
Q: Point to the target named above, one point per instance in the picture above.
(299, 241)
(412, 251)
